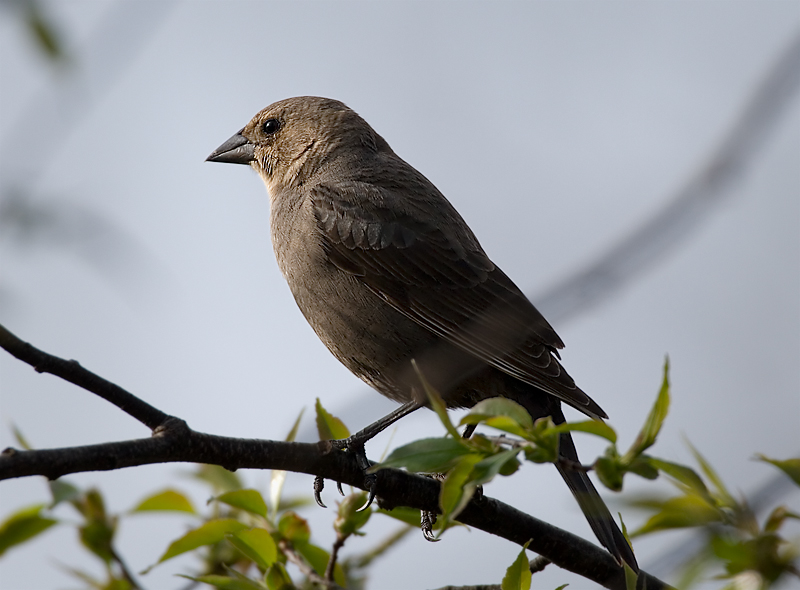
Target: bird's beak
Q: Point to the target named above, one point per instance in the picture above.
(237, 150)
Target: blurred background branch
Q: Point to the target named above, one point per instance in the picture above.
(35, 222)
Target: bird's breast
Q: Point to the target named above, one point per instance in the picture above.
(365, 333)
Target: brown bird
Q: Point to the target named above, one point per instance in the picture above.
(385, 270)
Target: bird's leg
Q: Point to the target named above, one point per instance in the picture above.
(355, 444)
(469, 430)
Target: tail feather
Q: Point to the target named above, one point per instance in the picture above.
(593, 507)
(538, 404)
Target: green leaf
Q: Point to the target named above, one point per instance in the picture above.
(277, 578)
(685, 475)
(790, 467)
(97, 536)
(168, 500)
(427, 455)
(436, 401)
(295, 427)
(681, 512)
(507, 424)
(652, 426)
(631, 577)
(209, 533)
(318, 559)
(45, 35)
(503, 462)
(546, 440)
(712, 475)
(257, 545)
(329, 426)
(642, 467)
(62, 491)
(348, 519)
(20, 438)
(409, 516)
(248, 500)
(220, 479)
(91, 505)
(609, 470)
(518, 574)
(496, 407)
(97, 532)
(736, 553)
(536, 454)
(293, 528)
(23, 525)
(278, 477)
(777, 517)
(455, 493)
(624, 530)
(595, 427)
(227, 582)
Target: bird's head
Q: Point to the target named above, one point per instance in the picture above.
(292, 139)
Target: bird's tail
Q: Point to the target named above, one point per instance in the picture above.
(593, 507)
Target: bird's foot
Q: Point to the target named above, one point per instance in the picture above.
(427, 520)
(356, 447)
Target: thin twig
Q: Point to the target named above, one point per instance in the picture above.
(514, 443)
(305, 568)
(337, 545)
(125, 571)
(538, 563)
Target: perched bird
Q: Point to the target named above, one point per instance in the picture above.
(386, 271)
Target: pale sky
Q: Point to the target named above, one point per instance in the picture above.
(554, 128)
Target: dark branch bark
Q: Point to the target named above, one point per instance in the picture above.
(174, 441)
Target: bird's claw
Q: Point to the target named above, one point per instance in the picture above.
(427, 520)
(370, 480)
(319, 485)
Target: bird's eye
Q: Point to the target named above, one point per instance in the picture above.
(270, 126)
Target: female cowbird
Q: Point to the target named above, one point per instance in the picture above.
(386, 271)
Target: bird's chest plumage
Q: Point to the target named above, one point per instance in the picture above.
(361, 330)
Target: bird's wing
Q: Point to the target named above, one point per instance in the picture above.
(442, 280)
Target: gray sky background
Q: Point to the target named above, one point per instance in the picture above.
(554, 128)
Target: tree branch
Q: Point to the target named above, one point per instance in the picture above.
(174, 441)
(73, 372)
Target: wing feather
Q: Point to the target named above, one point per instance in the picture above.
(442, 281)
